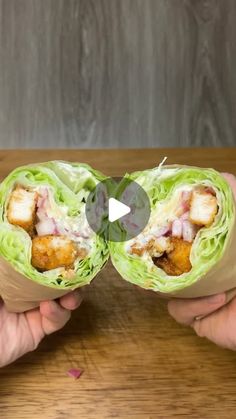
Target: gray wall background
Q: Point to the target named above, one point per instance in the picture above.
(117, 73)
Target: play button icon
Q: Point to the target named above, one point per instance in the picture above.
(117, 209)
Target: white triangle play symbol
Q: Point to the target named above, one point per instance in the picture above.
(116, 210)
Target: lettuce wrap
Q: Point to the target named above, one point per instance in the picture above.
(46, 245)
(187, 248)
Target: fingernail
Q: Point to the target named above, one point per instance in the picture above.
(216, 299)
(198, 318)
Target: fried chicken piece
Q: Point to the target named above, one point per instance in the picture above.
(22, 209)
(81, 253)
(180, 255)
(203, 208)
(159, 246)
(155, 247)
(164, 263)
(135, 250)
(51, 252)
(177, 261)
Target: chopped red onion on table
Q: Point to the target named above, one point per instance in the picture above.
(75, 373)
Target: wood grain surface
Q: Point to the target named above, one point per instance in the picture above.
(117, 73)
(138, 363)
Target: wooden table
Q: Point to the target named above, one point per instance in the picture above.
(138, 363)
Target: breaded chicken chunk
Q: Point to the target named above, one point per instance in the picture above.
(180, 255)
(177, 261)
(164, 263)
(203, 208)
(51, 252)
(155, 247)
(22, 208)
(160, 245)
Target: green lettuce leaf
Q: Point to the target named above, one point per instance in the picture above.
(209, 244)
(71, 184)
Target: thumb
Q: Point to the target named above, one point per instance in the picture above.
(185, 311)
(54, 316)
(219, 327)
(231, 179)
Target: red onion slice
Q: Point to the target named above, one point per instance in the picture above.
(161, 231)
(185, 200)
(177, 228)
(186, 195)
(41, 214)
(189, 231)
(185, 216)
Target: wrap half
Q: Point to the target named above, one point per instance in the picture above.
(46, 245)
(188, 247)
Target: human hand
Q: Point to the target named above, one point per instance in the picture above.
(210, 317)
(21, 333)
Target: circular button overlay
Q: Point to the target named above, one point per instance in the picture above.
(118, 209)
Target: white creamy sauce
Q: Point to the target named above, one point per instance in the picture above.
(76, 228)
(164, 214)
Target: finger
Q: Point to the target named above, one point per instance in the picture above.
(231, 179)
(185, 311)
(219, 327)
(71, 301)
(34, 319)
(54, 317)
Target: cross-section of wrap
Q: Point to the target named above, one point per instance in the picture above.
(46, 245)
(188, 246)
